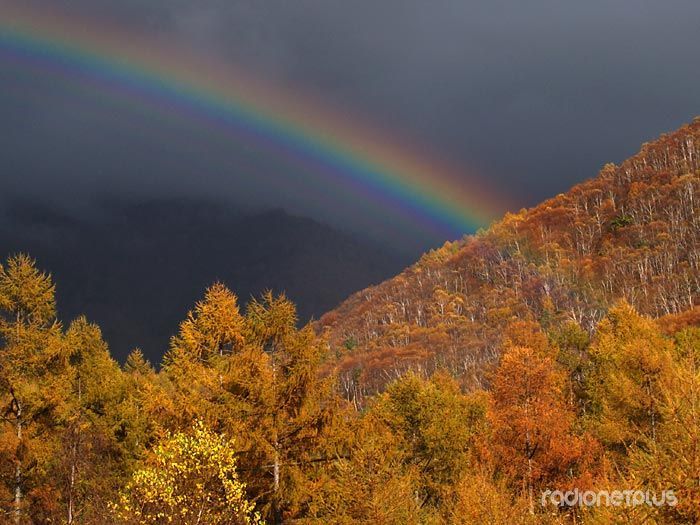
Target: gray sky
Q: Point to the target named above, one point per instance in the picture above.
(535, 95)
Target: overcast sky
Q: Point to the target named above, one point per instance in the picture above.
(535, 96)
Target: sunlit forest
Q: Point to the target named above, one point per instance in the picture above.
(557, 350)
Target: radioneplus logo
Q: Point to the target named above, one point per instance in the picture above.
(615, 498)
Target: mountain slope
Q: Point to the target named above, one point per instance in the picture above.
(136, 268)
(632, 232)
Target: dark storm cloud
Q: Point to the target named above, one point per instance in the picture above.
(536, 95)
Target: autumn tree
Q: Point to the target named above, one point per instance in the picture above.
(140, 409)
(90, 466)
(214, 327)
(291, 406)
(435, 426)
(198, 359)
(672, 460)
(189, 478)
(480, 499)
(572, 342)
(32, 359)
(256, 376)
(371, 480)
(533, 433)
(631, 363)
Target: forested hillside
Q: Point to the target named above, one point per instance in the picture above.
(557, 352)
(632, 232)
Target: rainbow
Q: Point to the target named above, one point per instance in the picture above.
(336, 146)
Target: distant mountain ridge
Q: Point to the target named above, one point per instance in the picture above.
(632, 232)
(136, 268)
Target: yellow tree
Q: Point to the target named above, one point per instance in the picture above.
(672, 461)
(197, 361)
(435, 426)
(32, 359)
(214, 327)
(89, 465)
(479, 500)
(631, 361)
(141, 407)
(371, 480)
(572, 343)
(258, 378)
(286, 406)
(190, 478)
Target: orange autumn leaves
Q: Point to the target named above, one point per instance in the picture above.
(533, 431)
(632, 232)
(563, 408)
